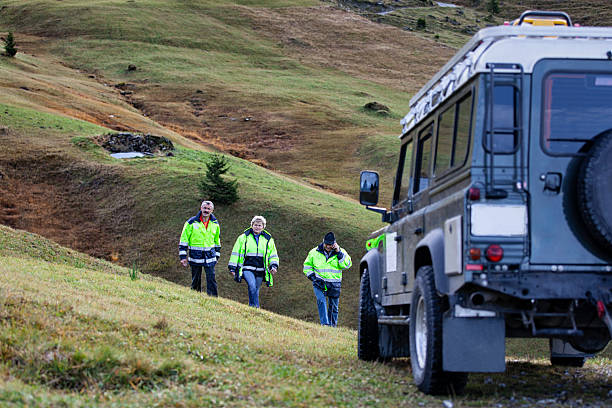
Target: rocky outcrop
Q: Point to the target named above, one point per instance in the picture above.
(133, 142)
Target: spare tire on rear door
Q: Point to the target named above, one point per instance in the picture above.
(595, 190)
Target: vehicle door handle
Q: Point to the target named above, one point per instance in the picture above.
(398, 238)
(418, 231)
(552, 182)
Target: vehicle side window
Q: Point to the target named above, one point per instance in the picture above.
(403, 174)
(464, 129)
(423, 159)
(444, 147)
(504, 119)
(454, 128)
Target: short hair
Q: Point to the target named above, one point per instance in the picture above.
(209, 203)
(258, 218)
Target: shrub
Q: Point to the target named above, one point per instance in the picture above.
(214, 187)
(493, 6)
(421, 24)
(9, 45)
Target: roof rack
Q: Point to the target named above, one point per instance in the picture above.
(464, 64)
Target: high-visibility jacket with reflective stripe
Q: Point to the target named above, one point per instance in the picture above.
(198, 244)
(256, 256)
(328, 269)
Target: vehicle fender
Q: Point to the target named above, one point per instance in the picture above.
(373, 261)
(430, 251)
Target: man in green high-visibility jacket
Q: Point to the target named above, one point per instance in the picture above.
(200, 247)
(323, 266)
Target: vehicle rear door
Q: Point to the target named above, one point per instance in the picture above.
(571, 105)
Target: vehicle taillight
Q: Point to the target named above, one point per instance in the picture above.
(474, 194)
(474, 254)
(494, 253)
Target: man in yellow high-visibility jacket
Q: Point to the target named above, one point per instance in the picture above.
(323, 266)
(200, 246)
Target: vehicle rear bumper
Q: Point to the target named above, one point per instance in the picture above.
(550, 285)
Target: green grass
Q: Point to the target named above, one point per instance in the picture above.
(452, 26)
(144, 203)
(19, 118)
(76, 332)
(215, 46)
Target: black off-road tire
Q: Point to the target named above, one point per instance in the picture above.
(594, 190)
(367, 333)
(426, 339)
(567, 361)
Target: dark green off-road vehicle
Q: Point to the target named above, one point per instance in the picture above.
(501, 219)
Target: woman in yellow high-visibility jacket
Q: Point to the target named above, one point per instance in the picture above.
(254, 258)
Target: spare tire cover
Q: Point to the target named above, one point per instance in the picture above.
(595, 191)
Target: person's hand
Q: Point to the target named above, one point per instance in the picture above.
(184, 262)
(336, 246)
(273, 271)
(233, 273)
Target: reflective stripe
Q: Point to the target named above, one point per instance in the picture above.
(183, 243)
(201, 248)
(273, 257)
(308, 268)
(232, 264)
(252, 268)
(182, 252)
(235, 253)
(201, 261)
(329, 279)
(328, 271)
(254, 254)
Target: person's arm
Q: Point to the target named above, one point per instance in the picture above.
(184, 243)
(236, 257)
(309, 269)
(273, 260)
(344, 259)
(218, 242)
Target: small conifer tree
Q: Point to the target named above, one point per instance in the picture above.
(9, 45)
(214, 187)
(493, 6)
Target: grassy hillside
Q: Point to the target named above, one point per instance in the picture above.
(78, 331)
(60, 184)
(281, 84)
(278, 83)
(295, 70)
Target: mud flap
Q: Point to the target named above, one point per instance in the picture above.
(561, 348)
(473, 344)
(393, 341)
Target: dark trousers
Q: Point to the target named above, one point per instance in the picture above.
(196, 279)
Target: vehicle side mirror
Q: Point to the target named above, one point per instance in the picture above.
(368, 188)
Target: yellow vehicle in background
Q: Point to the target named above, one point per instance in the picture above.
(543, 18)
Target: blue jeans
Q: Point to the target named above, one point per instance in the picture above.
(254, 284)
(328, 316)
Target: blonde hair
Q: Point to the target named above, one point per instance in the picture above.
(258, 218)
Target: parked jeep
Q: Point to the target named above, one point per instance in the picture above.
(501, 219)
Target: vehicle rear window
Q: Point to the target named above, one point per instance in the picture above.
(577, 107)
